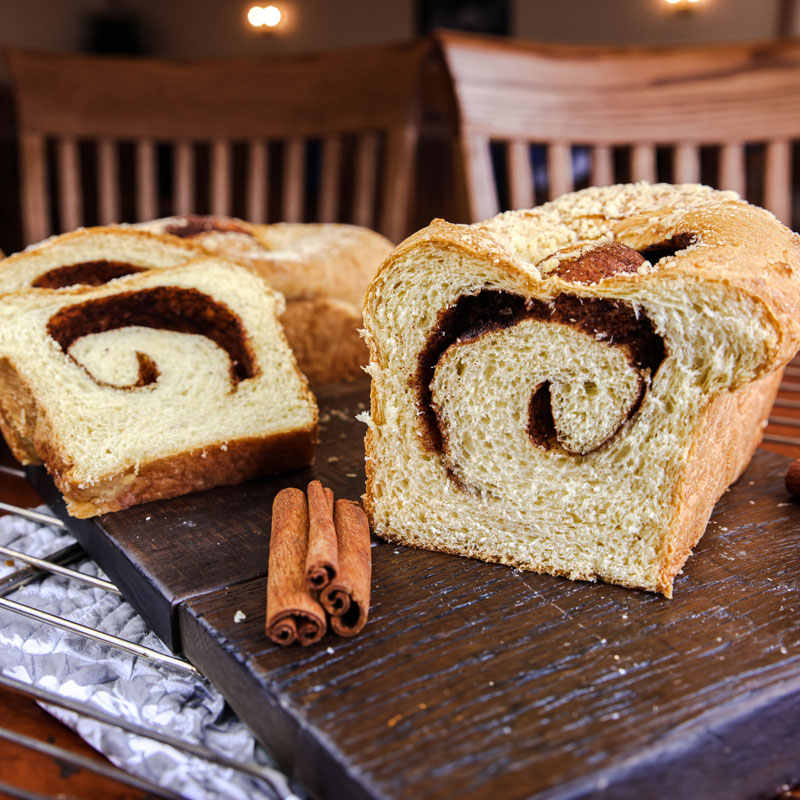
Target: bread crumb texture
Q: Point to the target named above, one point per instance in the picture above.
(156, 402)
(539, 440)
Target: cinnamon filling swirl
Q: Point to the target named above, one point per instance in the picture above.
(85, 273)
(609, 324)
(164, 307)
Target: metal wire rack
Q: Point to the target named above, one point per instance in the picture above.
(57, 563)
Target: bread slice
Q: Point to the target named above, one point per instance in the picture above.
(91, 257)
(153, 385)
(322, 269)
(569, 389)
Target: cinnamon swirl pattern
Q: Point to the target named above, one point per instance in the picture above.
(154, 385)
(569, 389)
(92, 257)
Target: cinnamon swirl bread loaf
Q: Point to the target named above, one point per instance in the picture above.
(570, 389)
(322, 270)
(153, 385)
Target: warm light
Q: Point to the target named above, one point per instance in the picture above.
(272, 15)
(255, 15)
(682, 3)
(264, 16)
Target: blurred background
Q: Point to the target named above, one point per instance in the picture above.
(203, 29)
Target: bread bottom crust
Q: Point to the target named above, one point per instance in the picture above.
(193, 471)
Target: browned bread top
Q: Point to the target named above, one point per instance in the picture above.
(302, 260)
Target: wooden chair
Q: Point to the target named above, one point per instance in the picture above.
(725, 115)
(139, 138)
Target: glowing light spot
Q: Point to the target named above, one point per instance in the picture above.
(272, 16)
(264, 16)
(255, 16)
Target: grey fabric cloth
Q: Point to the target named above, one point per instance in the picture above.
(122, 684)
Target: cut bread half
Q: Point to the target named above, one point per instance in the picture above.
(569, 389)
(153, 385)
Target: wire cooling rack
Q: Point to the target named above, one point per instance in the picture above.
(782, 432)
(58, 563)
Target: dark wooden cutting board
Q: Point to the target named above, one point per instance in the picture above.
(475, 680)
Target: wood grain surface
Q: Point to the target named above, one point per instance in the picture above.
(474, 680)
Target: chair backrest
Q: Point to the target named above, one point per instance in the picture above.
(232, 136)
(536, 121)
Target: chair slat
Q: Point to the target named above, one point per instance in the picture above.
(520, 174)
(183, 176)
(687, 163)
(366, 174)
(330, 179)
(778, 180)
(479, 175)
(257, 181)
(643, 163)
(602, 166)
(146, 193)
(35, 212)
(107, 181)
(293, 169)
(732, 168)
(559, 169)
(220, 177)
(70, 195)
(400, 146)
(338, 93)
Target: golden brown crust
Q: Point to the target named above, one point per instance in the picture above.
(714, 247)
(20, 420)
(335, 260)
(213, 465)
(724, 441)
(323, 334)
(301, 260)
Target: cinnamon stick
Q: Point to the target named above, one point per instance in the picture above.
(292, 613)
(322, 562)
(346, 598)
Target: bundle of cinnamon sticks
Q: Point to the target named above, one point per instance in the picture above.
(320, 566)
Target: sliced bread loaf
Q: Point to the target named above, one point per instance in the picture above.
(91, 257)
(153, 385)
(570, 389)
